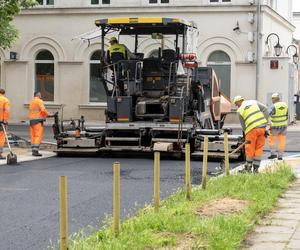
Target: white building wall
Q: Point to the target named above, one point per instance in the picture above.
(53, 29)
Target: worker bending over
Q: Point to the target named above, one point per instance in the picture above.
(279, 121)
(4, 115)
(254, 118)
(37, 117)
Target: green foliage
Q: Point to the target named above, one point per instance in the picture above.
(8, 9)
(177, 216)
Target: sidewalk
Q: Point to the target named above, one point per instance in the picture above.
(24, 154)
(281, 229)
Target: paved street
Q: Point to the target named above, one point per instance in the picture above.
(29, 192)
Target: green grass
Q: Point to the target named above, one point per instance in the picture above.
(177, 217)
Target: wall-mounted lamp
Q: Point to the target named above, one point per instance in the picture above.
(277, 47)
(295, 56)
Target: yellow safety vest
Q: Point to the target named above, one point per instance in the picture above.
(117, 48)
(251, 115)
(280, 117)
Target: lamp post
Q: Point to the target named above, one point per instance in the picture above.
(295, 56)
(277, 47)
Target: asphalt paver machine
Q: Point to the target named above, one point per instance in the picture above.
(159, 102)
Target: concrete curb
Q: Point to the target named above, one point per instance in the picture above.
(264, 164)
(24, 158)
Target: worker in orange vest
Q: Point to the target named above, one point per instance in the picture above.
(4, 115)
(37, 117)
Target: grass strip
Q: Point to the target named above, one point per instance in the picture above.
(179, 226)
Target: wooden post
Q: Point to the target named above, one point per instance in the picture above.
(63, 215)
(188, 170)
(156, 180)
(226, 160)
(204, 167)
(116, 199)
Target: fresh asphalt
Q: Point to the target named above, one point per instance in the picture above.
(29, 204)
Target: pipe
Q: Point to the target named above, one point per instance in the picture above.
(258, 48)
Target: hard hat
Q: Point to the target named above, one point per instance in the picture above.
(275, 95)
(113, 39)
(238, 98)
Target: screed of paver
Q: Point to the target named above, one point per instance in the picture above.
(294, 244)
(223, 206)
(274, 229)
(268, 246)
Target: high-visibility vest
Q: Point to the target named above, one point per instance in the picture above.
(4, 108)
(251, 115)
(280, 117)
(117, 48)
(37, 110)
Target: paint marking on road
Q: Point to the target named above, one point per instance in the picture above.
(4, 189)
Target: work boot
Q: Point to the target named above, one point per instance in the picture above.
(2, 157)
(247, 168)
(272, 157)
(36, 153)
(255, 169)
(280, 158)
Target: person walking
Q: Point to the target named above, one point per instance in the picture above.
(4, 115)
(37, 117)
(279, 122)
(254, 117)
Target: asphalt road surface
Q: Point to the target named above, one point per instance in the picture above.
(29, 216)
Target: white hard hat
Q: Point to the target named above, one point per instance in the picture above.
(238, 98)
(275, 95)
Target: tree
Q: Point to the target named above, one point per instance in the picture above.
(8, 9)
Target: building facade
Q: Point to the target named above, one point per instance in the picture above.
(232, 35)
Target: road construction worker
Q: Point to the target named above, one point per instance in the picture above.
(117, 52)
(4, 115)
(37, 117)
(254, 118)
(279, 121)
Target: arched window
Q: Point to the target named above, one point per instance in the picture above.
(97, 91)
(44, 75)
(221, 63)
(154, 53)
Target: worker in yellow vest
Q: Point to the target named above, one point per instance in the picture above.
(117, 51)
(279, 122)
(254, 118)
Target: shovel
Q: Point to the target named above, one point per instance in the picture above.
(11, 158)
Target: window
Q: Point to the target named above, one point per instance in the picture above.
(44, 75)
(221, 63)
(97, 91)
(154, 54)
(158, 1)
(98, 1)
(45, 2)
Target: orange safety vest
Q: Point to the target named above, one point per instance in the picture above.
(4, 108)
(37, 110)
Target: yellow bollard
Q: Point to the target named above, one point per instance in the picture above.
(188, 170)
(204, 167)
(63, 218)
(227, 170)
(116, 199)
(156, 180)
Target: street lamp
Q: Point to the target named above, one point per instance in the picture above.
(295, 56)
(277, 47)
